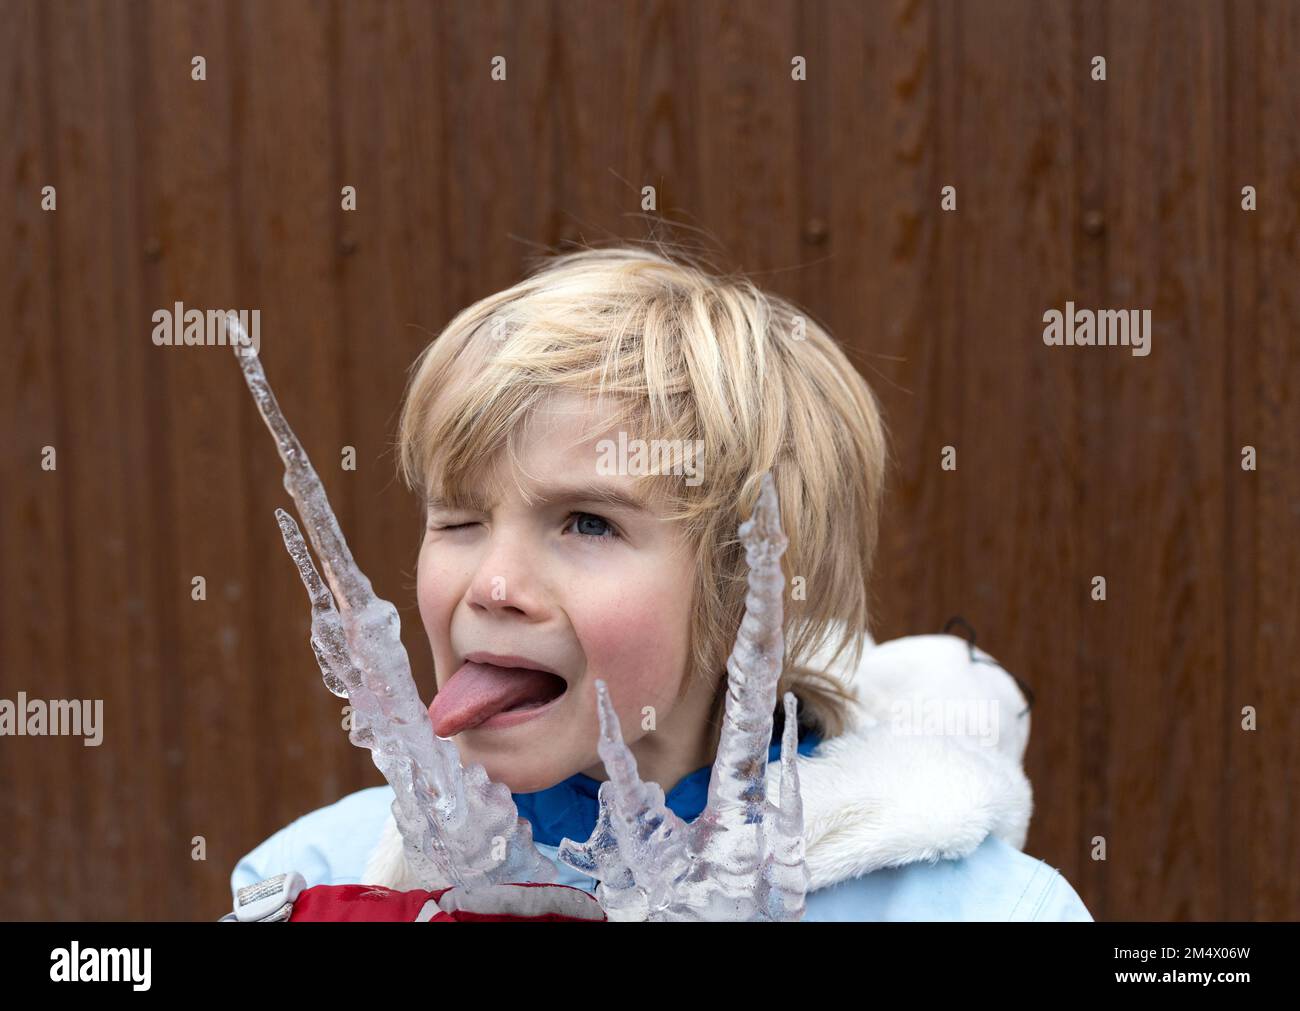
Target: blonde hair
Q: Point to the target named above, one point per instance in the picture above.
(681, 354)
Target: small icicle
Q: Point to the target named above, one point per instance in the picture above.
(785, 874)
(743, 857)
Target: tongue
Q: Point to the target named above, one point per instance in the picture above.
(478, 691)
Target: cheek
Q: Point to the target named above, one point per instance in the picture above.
(432, 591)
(636, 641)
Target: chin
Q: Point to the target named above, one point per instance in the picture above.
(515, 778)
(524, 783)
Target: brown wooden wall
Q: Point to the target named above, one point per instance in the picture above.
(1072, 462)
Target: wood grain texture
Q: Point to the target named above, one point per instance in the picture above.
(1072, 462)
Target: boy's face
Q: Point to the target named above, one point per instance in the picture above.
(585, 588)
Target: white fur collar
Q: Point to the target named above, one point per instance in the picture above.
(930, 767)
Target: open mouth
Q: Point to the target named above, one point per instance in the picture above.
(555, 687)
(544, 694)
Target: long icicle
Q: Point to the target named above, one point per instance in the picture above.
(459, 828)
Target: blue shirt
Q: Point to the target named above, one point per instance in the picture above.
(570, 807)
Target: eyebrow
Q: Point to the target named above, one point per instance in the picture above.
(554, 494)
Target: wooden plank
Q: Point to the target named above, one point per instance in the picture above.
(286, 187)
(892, 294)
(36, 612)
(1258, 813)
(209, 681)
(1019, 583)
(1156, 496)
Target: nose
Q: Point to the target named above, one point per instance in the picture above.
(507, 580)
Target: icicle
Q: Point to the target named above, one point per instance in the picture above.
(459, 827)
(743, 857)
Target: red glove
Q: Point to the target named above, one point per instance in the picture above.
(525, 901)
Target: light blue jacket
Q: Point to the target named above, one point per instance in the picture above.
(918, 812)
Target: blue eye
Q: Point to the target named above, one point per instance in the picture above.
(611, 535)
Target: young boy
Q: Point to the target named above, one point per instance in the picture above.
(586, 444)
